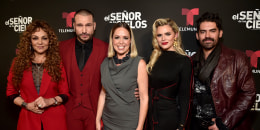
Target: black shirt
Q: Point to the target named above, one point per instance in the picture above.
(88, 49)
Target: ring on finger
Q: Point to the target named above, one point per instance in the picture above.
(40, 105)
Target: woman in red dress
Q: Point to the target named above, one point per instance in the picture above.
(37, 80)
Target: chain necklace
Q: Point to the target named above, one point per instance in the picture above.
(38, 67)
(37, 75)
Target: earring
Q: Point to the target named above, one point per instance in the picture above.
(175, 42)
(30, 47)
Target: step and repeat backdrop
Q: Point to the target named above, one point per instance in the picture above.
(241, 21)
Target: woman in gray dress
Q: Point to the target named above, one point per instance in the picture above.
(121, 72)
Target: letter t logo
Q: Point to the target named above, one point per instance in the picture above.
(253, 57)
(189, 15)
(68, 17)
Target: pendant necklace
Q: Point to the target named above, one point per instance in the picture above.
(38, 67)
(38, 76)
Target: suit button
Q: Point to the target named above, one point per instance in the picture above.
(81, 75)
(81, 94)
(81, 84)
(79, 103)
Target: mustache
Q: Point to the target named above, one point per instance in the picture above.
(208, 38)
(85, 34)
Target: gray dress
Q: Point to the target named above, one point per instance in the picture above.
(121, 109)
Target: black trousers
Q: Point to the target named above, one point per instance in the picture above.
(195, 125)
(41, 126)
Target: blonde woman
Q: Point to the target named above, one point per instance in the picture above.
(170, 79)
(121, 73)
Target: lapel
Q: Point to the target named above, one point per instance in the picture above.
(46, 79)
(225, 60)
(29, 83)
(68, 54)
(73, 59)
(69, 58)
(93, 57)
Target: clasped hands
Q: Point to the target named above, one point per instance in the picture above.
(38, 105)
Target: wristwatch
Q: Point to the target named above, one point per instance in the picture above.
(24, 104)
(56, 102)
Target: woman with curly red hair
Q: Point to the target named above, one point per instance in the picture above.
(37, 80)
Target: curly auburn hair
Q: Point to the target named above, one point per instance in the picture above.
(25, 53)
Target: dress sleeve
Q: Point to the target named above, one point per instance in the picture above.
(64, 98)
(185, 90)
(11, 89)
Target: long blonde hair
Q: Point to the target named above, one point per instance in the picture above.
(157, 50)
(111, 51)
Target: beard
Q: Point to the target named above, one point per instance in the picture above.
(85, 40)
(209, 43)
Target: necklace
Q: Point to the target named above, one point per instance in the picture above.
(124, 59)
(38, 67)
(37, 75)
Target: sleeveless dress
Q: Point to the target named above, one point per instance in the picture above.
(121, 109)
(169, 92)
